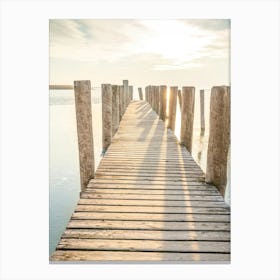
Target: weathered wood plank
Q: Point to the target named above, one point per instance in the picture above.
(68, 255)
(148, 225)
(144, 245)
(147, 234)
(152, 192)
(149, 180)
(165, 188)
(152, 197)
(174, 217)
(143, 202)
(153, 209)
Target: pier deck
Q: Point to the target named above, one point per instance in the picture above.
(147, 202)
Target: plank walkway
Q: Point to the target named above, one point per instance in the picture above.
(147, 202)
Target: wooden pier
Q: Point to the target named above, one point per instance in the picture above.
(148, 201)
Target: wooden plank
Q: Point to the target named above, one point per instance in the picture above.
(151, 163)
(144, 245)
(174, 217)
(161, 188)
(153, 209)
(147, 234)
(152, 192)
(144, 183)
(149, 180)
(153, 170)
(76, 255)
(142, 202)
(148, 225)
(158, 175)
(152, 197)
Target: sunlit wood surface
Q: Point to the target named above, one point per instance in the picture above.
(147, 202)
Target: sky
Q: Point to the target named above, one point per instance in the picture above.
(191, 52)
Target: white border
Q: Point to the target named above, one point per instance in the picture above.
(255, 138)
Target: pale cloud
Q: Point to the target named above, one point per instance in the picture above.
(112, 40)
(156, 45)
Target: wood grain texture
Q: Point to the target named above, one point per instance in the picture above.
(172, 108)
(187, 117)
(82, 91)
(202, 115)
(219, 137)
(162, 102)
(148, 200)
(115, 109)
(117, 256)
(106, 115)
(140, 93)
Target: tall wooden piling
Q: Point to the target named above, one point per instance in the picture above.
(172, 108)
(115, 109)
(219, 137)
(157, 99)
(162, 102)
(82, 91)
(125, 93)
(202, 119)
(140, 93)
(106, 116)
(180, 98)
(150, 95)
(121, 102)
(152, 92)
(187, 117)
(146, 94)
(130, 91)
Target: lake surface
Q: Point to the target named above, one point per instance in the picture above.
(64, 184)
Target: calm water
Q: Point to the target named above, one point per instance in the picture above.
(64, 161)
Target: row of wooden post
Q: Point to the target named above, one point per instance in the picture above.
(115, 99)
(219, 131)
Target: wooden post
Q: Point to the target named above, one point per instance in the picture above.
(152, 96)
(157, 99)
(120, 101)
(130, 94)
(219, 138)
(115, 109)
(202, 119)
(149, 95)
(162, 102)
(140, 93)
(126, 93)
(187, 116)
(180, 98)
(146, 94)
(106, 116)
(172, 108)
(82, 91)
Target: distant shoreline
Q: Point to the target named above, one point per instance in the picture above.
(60, 87)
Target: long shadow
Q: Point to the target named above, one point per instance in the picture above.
(196, 202)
